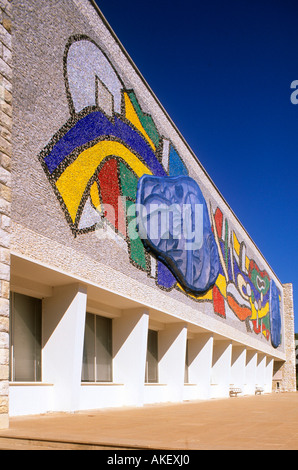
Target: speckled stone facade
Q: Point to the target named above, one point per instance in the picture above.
(289, 368)
(37, 226)
(5, 199)
(47, 66)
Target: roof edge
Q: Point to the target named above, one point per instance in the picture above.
(108, 26)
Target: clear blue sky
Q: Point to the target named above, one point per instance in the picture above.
(223, 70)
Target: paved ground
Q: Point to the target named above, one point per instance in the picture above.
(268, 422)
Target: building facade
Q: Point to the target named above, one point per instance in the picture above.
(126, 279)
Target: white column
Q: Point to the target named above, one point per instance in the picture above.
(130, 333)
(261, 366)
(171, 359)
(238, 367)
(250, 372)
(277, 375)
(221, 368)
(268, 374)
(63, 338)
(200, 349)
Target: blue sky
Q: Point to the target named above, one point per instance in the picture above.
(223, 71)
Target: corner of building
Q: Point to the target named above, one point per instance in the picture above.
(289, 367)
(5, 200)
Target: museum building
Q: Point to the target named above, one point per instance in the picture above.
(126, 278)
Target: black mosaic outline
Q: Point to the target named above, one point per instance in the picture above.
(247, 320)
(74, 118)
(72, 39)
(159, 147)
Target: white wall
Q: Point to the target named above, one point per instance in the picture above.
(260, 372)
(98, 396)
(30, 399)
(268, 374)
(200, 351)
(221, 369)
(213, 364)
(171, 352)
(130, 333)
(238, 367)
(250, 372)
(63, 329)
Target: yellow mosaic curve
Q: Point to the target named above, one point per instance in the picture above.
(95, 196)
(261, 313)
(74, 180)
(132, 116)
(207, 296)
(222, 285)
(236, 244)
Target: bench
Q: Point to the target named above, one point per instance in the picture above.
(234, 391)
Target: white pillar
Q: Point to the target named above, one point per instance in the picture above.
(171, 359)
(200, 350)
(277, 375)
(261, 366)
(250, 372)
(268, 374)
(63, 338)
(238, 367)
(221, 368)
(130, 333)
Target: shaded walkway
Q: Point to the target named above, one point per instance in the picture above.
(255, 422)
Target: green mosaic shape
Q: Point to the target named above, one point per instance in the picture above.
(137, 250)
(129, 182)
(146, 120)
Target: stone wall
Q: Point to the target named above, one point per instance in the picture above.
(289, 368)
(35, 193)
(5, 199)
(51, 62)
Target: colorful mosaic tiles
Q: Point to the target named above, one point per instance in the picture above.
(109, 156)
(174, 224)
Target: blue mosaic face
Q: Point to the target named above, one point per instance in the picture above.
(173, 223)
(275, 319)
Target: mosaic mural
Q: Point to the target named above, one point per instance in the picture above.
(109, 159)
(242, 287)
(173, 223)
